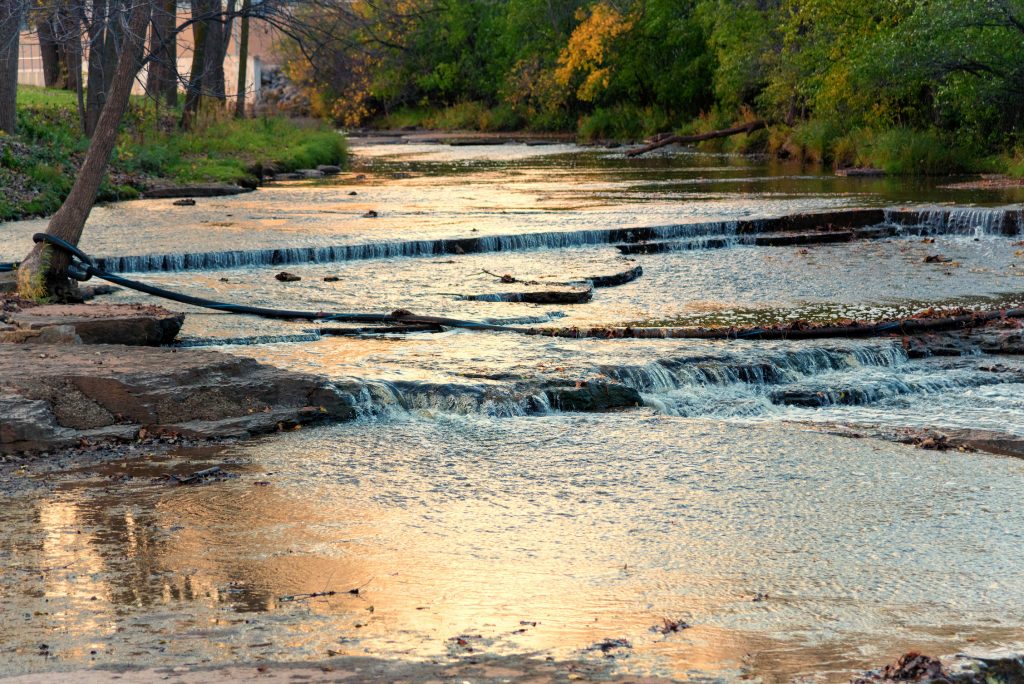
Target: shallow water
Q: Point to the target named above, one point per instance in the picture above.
(462, 505)
(592, 527)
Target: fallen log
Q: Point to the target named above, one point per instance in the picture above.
(612, 280)
(617, 279)
(748, 127)
(795, 331)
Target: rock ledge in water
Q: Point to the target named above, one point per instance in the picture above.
(128, 324)
(594, 396)
(58, 396)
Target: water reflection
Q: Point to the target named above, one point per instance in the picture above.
(593, 529)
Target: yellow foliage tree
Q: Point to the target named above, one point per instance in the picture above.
(585, 56)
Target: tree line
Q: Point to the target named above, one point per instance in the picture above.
(633, 67)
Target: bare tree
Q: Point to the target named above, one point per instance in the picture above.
(243, 58)
(162, 78)
(116, 31)
(43, 273)
(11, 13)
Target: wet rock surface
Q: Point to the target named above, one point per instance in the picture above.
(918, 667)
(986, 340)
(128, 324)
(54, 396)
(594, 396)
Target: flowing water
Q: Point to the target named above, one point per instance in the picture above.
(465, 507)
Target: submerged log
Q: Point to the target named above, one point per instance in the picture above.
(748, 127)
(795, 331)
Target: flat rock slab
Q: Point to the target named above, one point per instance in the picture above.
(553, 296)
(129, 324)
(205, 190)
(56, 396)
(818, 238)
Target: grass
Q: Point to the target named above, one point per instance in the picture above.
(38, 165)
(466, 116)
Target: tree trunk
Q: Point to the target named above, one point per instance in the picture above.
(10, 25)
(43, 273)
(70, 51)
(106, 41)
(748, 127)
(162, 79)
(49, 53)
(194, 90)
(243, 57)
(213, 79)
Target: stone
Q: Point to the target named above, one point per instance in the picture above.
(54, 396)
(329, 169)
(186, 202)
(594, 396)
(286, 277)
(128, 324)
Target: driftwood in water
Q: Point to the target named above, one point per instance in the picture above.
(748, 127)
(612, 280)
(572, 296)
(617, 279)
(795, 331)
(199, 475)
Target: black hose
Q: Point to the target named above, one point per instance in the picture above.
(85, 268)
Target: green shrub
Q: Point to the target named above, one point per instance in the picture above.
(904, 151)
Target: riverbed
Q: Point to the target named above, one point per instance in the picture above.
(471, 516)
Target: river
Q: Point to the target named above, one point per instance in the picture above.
(470, 514)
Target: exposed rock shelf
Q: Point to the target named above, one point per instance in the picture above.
(56, 396)
(128, 324)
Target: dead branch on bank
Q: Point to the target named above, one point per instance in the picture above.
(664, 140)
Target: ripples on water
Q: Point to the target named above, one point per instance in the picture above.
(463, 508)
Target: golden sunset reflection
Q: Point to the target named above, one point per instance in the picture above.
(458, 544)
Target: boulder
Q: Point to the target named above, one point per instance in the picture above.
(594, 396)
